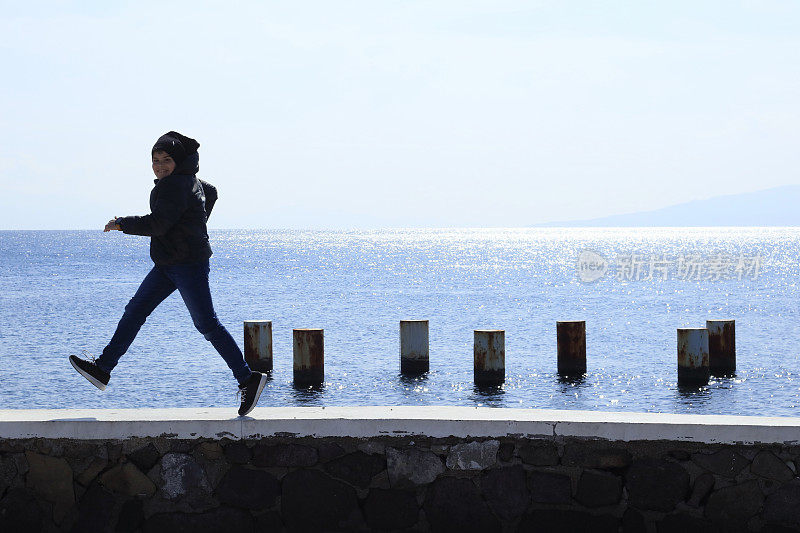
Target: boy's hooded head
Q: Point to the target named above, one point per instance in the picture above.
(176, 145)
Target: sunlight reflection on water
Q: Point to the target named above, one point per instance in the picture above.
(64, 291)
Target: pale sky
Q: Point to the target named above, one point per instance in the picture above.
(396, 114)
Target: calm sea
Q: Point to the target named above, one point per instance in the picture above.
(62, 292)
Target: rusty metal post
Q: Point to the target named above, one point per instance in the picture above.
(571, 340)
(414, 347)
(490, 356)
(721, 347)
(258, 344)
(692, 356)
(309, 356)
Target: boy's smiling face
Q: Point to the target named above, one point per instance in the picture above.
(163, 164)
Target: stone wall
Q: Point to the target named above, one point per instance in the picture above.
(405, 483)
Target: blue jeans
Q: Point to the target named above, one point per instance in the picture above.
(191, 280)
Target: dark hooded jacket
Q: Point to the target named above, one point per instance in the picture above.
(180, 204)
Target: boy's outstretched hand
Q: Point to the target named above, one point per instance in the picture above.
(112, 225)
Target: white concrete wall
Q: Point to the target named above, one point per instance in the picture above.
(363, 422)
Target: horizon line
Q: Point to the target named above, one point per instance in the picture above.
(539, 226)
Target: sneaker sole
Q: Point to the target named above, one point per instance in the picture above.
(94, 381)
(261, 383)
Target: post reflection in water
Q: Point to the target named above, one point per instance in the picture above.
(413, 381)
(569, 384)
(694, 396)
(308, 395)
(415, 388)
(573, 392)
(489, 395)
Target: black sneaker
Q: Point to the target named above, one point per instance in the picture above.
(251, 391)
(89, 370)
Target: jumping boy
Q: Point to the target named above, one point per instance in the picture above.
(180, 204)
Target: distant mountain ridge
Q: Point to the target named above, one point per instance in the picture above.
(777, 206)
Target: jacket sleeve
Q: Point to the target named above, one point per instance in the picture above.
(210, 192)
(172, 202)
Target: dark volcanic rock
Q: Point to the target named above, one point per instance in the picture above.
(128, 480)
(357, 468)
(598, 458)
(772, 528)
(114, 451)
(95, 510)
(131, 516)
(19, 511)
(296, 455)
(656, 485)
(251, 489)
(181, 445)
(183, 477)
(506, 491)
(313, 501)
(782, 507)
(538, 453)
(238, 453)
(725, 462)
(355, 521)
(327, 450)
(680, 455)
(506, 451)
(703, 486)
(684, 523)
(596, 488)
(219, 520)
(475, 455)
(454, 504)
(145, 457)
(549, 487)
(268, 522)
(51, 478)
(391, 509)
(633, 521)
(8, 471)
(409, 467)
(565, 521)
(734, 505)
(767, 464)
